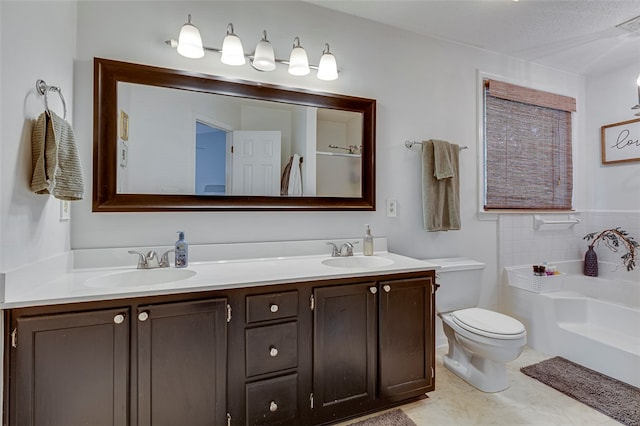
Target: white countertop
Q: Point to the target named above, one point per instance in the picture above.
(42, 285)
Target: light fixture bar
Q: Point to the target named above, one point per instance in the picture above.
(173, 43)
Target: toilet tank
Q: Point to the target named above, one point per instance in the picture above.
(460, 282)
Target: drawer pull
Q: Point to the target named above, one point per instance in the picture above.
(373, 290)
(387, 288)
(273, 351)
(143, 316)
(273, 407)
(118, 319)
(274, 308)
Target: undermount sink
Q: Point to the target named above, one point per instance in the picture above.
(357, 262)
(140, 277)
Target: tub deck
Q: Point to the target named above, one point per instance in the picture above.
(591, 321)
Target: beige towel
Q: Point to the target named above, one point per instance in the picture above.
(55, 161)
(440, 197)
(291, 181)
(442, 160)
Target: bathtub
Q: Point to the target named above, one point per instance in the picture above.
(594, 322)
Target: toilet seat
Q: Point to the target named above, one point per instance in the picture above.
(488, 323)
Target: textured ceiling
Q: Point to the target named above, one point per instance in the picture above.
(574, 35)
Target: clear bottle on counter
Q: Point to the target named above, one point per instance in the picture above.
(368, 242)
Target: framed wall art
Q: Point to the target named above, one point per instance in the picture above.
(620, 142)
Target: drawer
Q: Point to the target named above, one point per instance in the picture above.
(273, 401)
(271, 348)
(265, 307)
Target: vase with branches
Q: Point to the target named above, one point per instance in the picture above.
(615, 239)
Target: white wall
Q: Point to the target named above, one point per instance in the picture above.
(427, 89)
(38, 41)
(611, 186)
(611, 193)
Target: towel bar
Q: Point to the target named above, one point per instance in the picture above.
(538, 221)
(43, 89)
(410, 144)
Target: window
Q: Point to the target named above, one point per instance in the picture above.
(527, 140)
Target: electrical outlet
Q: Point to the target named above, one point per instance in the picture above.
(65, 210)
(392, 208)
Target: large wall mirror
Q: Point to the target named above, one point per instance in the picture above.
(169, 140)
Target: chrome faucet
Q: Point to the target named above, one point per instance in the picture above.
(340, 252)
(150, 260)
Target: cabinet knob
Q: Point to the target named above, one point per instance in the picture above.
(373, 290)
(143, 316)
(274, 308)
(387, 288)
(273, 407)
(118, 319)
(273, 351)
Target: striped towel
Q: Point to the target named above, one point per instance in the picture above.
(55, 161)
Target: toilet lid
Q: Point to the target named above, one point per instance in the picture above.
(488, 323)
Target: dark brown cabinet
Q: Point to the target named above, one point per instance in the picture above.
(71, 369)
(406, 338)
(315, 352)
(373, 345)
(275, 359)
(182, 363)
(79, 368)
(344, 351)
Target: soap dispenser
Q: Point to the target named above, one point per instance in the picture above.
(182, 251)
(368, 242)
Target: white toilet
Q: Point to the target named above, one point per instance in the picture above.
(481, 342)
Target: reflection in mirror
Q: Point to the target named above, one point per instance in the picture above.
(167, 140)
(223, 145)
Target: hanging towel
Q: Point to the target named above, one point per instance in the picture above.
(284, 180)
(295, 177)
(440, 196)
(55, 161)
(442, 160)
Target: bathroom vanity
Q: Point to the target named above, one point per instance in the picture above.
(331, 345)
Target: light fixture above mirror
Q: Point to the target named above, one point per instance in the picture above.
(189, 44)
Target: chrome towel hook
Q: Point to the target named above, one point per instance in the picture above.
(44, 89)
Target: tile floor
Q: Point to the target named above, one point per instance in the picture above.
(525, 402)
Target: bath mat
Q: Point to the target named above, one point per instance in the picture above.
(396, 417)
(616, 399)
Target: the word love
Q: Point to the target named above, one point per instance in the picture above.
(625, 141)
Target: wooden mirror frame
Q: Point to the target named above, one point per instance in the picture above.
(107, 74)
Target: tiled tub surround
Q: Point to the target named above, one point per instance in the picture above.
(591, 321)
(520, 243)
(67, 277)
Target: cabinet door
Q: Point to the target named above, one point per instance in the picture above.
(72, 369)
(182, 363)
(344, 352)
(406, 338)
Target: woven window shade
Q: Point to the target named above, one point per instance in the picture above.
(502, 90)
(528, 155)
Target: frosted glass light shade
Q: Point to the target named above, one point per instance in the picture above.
(264, 57)
(189, 41)
(232, 51)
(638, 81)
(327, 69)
(298, 61)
